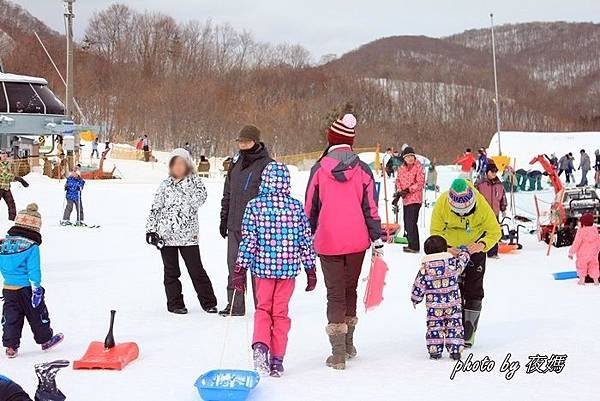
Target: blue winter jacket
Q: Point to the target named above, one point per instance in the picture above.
(20, 262)
(276, 235)
(74, 186)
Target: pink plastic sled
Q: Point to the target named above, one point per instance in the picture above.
(375, 284)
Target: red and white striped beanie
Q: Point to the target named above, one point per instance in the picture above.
(341, 131)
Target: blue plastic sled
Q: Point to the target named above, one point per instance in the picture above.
(227, 385)
(565, 275)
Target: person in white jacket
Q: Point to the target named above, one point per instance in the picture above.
(173, 227)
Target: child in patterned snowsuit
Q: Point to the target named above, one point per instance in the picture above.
(276, 243)
(437, 282)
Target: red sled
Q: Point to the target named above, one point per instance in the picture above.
(116, 358)
(375, 284)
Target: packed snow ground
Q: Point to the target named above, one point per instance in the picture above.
(87, 272)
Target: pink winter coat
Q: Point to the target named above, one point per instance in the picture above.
(493, 192)
(341, 204)
(412, 178)
(586, 245)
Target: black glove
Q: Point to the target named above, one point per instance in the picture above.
(22, 181)
(152, 238)
(403, 193)
(223, 229)
(396, 199)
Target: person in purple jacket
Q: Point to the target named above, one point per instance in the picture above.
(492, 190)
(341, 204)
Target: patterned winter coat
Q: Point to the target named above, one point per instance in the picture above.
(74, 186)
(411, 177)
(341, 204)
(276, 236)
(6, 176)
(174, 212)
(437, 282)
(20, 262)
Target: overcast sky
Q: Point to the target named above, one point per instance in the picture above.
(336, 26)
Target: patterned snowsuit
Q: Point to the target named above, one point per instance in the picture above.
(437, 282)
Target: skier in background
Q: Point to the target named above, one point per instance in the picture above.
(482, 161)
(553, 161)
(73, 188)
(188, 147)
(24, 296)
(492, 190)
(95, 148)
(146, 147)
(585, 165)
(466, 163)
(571, 169)
(6, 178)
(409, 188)
(389, 172)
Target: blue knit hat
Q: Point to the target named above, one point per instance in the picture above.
(461, 197)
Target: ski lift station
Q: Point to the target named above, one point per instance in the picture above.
(28, 108)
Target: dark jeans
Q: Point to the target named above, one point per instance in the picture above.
(17, 307)
(233, 245)
(200, 280)
(471, 287)
(10, 203)
(341, 279)
(411, 219)
(95, 152)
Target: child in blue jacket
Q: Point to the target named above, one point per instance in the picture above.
(73, 189)
(23, 292)
(276, 244)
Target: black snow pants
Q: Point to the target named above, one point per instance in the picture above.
(233, 244)
(200, 279)
(411, 219)
(17, 308)
(471, 287)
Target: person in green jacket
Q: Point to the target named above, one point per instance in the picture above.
(464, 218)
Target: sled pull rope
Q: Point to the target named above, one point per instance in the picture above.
(226, 336)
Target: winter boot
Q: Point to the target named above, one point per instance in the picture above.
(65, 223)
(227, 312)
(455, 356)
(12, 353)
(46, 373)
(261, 359)
(276, 366)
(435, 356)
(53, 342)
(470, 322)
(337, 337)
(350, 348)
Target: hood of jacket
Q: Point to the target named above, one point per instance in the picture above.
(589, 234)
(341, 163)
(185, 155)
(275, 179)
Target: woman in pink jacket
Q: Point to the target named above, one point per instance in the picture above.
(341, 205)
(586, 247)
(409, 187)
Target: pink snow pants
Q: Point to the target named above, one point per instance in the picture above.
(271, 321)
(588, 266)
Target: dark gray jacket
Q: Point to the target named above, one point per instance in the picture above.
(242, 184)
(585, 163)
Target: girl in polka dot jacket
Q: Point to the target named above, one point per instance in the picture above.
(276, 243)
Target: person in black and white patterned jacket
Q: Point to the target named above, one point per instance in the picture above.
(173, 223)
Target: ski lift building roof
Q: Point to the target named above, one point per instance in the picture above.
(4, 77)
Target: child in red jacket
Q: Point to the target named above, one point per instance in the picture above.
(586, 247)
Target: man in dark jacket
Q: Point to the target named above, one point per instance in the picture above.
(241, 185)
